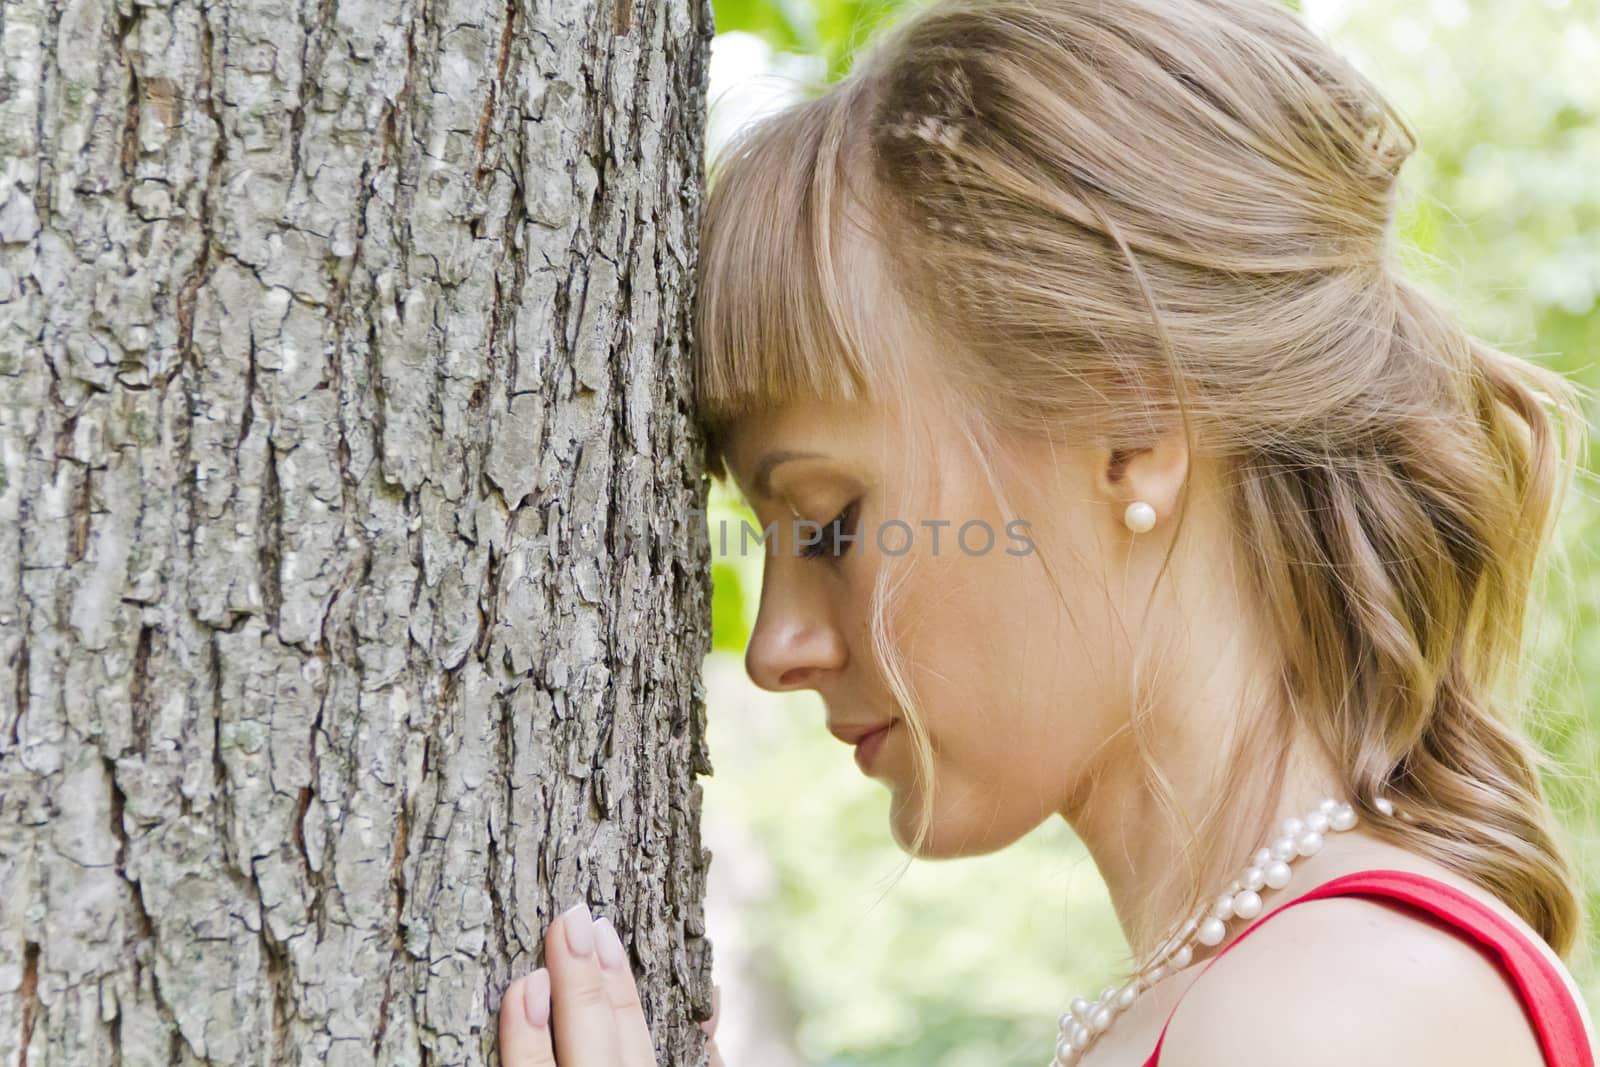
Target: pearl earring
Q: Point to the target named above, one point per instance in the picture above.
(1139, 516)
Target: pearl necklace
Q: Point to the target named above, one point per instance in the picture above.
(1269, 868)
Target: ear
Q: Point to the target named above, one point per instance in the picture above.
(1154, 473)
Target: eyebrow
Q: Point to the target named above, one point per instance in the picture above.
(763, 475)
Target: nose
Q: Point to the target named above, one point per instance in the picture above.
(792, 653)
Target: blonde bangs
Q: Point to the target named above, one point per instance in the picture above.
(781, 303)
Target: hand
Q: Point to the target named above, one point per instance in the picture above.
(713, 1057)
(585, 1002)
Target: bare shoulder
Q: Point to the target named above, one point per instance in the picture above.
(1349, 980)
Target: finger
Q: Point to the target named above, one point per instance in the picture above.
(584, 1022)
(713, 1054)
(633, 1032)
(710, 1025)
(525, 1022)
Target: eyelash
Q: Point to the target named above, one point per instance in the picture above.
(832, 529)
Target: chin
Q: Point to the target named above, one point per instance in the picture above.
(974, 832)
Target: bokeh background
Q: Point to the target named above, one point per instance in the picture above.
(831, 948)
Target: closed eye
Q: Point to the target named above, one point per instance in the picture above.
(828, 542)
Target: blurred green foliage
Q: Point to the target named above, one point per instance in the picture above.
(833, 29)
(967, 963)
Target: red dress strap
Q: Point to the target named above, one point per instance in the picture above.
(1556, 1016)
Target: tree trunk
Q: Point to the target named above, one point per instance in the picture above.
(352, 605)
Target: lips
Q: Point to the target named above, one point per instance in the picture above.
(852, 733)
(868, 747)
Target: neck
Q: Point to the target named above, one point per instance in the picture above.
(1140, 855)
(1221, 697)
(1140, 849)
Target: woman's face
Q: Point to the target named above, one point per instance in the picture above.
(1014, 696)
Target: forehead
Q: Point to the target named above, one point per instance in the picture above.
(874, 444)
(847, 430)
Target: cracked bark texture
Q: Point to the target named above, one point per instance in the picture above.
(352, 602)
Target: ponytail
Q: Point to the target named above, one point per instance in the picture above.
(1431, 515)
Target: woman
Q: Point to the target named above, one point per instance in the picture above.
(1123, 272)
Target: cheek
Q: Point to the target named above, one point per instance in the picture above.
(1015, 684)
(1008, 679)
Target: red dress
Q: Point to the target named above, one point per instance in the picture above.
(1554, 1013)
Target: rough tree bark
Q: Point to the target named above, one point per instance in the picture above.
(352, 606)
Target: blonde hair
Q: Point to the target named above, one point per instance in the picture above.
(1129, 215)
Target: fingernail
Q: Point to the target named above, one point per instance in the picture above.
(579, 929)
(536, 997)
(613, 957)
